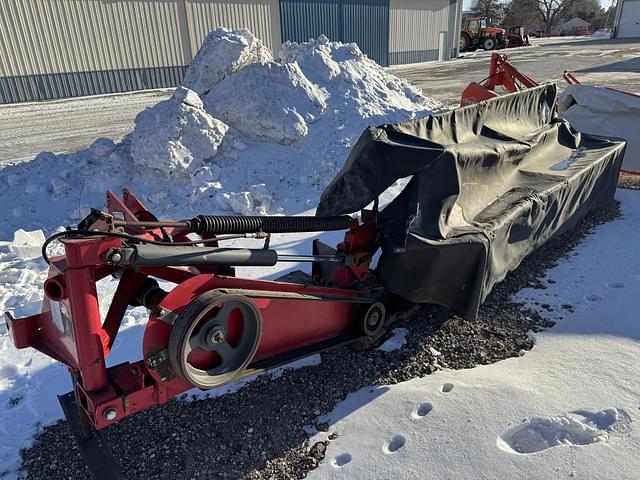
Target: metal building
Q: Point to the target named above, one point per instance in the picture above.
(422, 30)
(627, 22)
(63, 48)
(365, 22)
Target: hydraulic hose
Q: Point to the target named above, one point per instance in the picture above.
(229, 224)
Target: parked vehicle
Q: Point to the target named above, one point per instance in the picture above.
(475, 34)
(517, 36)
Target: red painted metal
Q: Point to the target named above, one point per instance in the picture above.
(501, 74)
(287, 324)
(359, 242)
(71, 329)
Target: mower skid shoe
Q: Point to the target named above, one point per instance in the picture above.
(94, 449)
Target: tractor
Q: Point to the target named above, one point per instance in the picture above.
(517, 36)
(475, 33)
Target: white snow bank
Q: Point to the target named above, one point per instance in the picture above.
(26, 245)
(292, 123)
(566, 409)
(267, 101)
(600, 111)
(348, 73)
(222, 53)
(176, 135)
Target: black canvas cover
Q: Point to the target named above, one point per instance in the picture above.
(489, 184)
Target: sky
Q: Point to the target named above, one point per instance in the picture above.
(466, 4)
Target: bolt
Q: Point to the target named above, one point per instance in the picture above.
(109, 414)
(373, 319)
(115, 257)
(217, 336)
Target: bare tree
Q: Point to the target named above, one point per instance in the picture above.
(552, 11)
(522, 12)
(491, 9)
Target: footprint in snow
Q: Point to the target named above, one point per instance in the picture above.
(616, 285)
(593, 298)
(446, 387)
(422, 410)
(580, 427)
(394, 444)
(341, 460)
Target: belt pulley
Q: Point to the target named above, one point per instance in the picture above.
(214, 338)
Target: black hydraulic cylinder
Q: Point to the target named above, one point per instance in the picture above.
(186, 256)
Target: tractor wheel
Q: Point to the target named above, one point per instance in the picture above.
(464, 43)
(489, 43)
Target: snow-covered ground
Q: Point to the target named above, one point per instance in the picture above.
(70, 124)
(614, 63)
(567, 409)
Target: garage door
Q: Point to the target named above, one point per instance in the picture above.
(629, 25)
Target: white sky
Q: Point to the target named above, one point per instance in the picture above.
(466, 4)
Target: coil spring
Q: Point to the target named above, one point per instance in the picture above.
(230, 224)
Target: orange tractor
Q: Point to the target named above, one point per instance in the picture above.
(475, 33)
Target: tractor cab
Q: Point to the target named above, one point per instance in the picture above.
(476, 33)
(475, 25)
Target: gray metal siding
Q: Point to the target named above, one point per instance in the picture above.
(63, 48)
(455, 26)
(627, 24)
(262, 17)
(45, 36)
(415, 26)
(50, 86)
(301, 20)
(365, 22)
(417, 56)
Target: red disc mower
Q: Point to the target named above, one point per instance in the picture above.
(211, 327)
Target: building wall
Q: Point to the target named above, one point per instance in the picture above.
(627, 24)
(571, 26)
(262, 17)
(64, 48)
(415, 26)
(365, 22)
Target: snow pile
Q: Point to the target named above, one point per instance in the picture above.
(279, 114)
(223, 52)
(26, 245)
(349, 74)
(176, 135)
(247, 134)
(21, 268)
